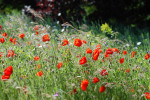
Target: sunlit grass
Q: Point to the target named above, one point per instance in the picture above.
(25, 84)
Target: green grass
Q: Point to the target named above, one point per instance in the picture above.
(68, 77)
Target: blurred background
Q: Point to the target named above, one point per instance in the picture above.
(127, 12)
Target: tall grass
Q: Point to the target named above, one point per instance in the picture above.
(118, 83)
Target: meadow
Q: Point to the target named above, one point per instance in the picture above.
(45, 61)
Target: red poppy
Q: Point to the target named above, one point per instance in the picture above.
(36, 58)
(127, 70)
(36, 27)
(88, 50)
(95, 79)
(2, 40)
(73, 92)
(147, 95)
(4, 34)
(84, 41)
(77, 42)
(46, 38)
(115, 50)
(38, 66)
(79, 56)
(0, 27)
(4, 77)
(12, 40)
(36, 32)
(133, 54)
(1, 54)
(132, 90)
(109, 51)
(102, 89)
(106, 55)
(121, 60)
(82, 60)
(84, 84)
(21, 36)
(103, 72)
(65, 42)
(59, 65)
(10, 53)
(96, 54)
(98, 46)
(147, 56)
(40, 73)
(8, 71)
(124, 52)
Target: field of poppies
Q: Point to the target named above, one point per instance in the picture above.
(43, 61)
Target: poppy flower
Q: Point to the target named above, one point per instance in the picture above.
(103, 72)
(95, 79)
(84, 41)
(109, 51)
(40, 73)
(46, 38)
(82, 60)
(36, 32)
(147, 95)
(133, 54)
(21, 36)
(132, 90)
(96, 54)
(4, 34)
(29, 43)
(121, 60)
(78, 56)
(10, 53)
(73, 92)
(106, 55)
(98, 46)
(4, 77)
(36, 58)
(1, 54)
(38, 66)
(36, 27)
(147, 56)
(88, 51)
(115, 50)
(65, 42)
(11, 39)
(124, 52)
(0, 27)
(59, 65)
(8, 71)
(2, 40)
(77, 42)
(127, 70)
(84, 84)
(102, 89)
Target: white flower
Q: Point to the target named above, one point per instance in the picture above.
(138, 43)
(59, 14)
(127, 45)
(63, 30)
(135, 48)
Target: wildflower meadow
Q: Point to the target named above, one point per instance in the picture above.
(46, 61)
